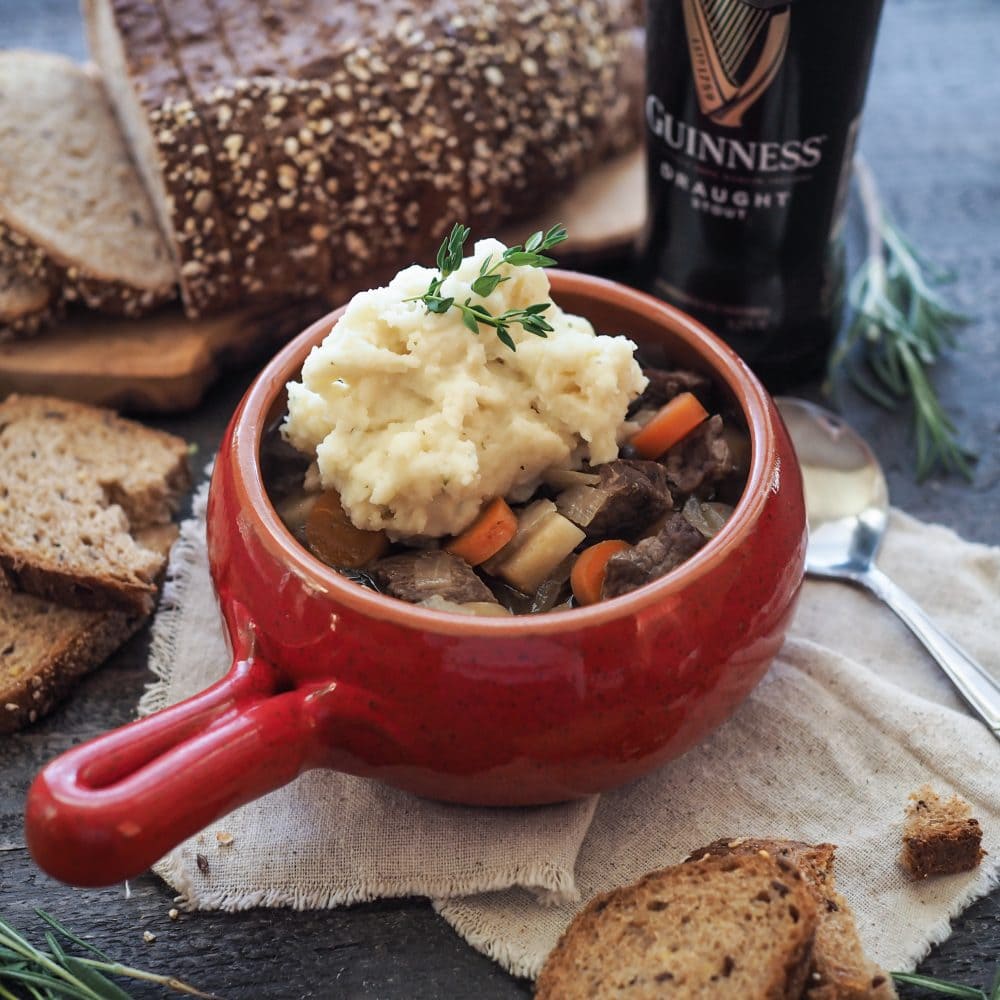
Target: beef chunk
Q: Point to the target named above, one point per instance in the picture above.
(638, 494)
(416, 576)
(700, 460)
(664, 385)
(652, 557)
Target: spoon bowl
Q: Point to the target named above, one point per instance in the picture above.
(847, 507)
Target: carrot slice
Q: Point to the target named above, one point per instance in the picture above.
(587, 575)
(674, 421)
(487, 535)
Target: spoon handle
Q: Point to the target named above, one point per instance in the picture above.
(979, 689)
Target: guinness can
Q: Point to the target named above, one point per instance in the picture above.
(752, 111)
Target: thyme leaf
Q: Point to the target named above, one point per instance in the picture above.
(475, 315)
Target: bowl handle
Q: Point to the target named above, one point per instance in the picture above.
(108, 809)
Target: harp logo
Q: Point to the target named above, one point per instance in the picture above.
(736, 51)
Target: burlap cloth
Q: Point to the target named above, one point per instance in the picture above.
(852, 716)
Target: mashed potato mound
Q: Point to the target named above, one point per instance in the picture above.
(415, 421)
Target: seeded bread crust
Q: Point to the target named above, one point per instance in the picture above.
(77, 485)
(940, 838)
(293, 196)
(232, 136)
(75, 215)
(69, 284)
(130, 42)
(738, 927)
(349, 138)
(26, 304)
(839, 970)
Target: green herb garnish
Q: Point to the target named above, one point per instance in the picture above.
(475, 315)
(903, 325)
(27, 971)
(945, 987)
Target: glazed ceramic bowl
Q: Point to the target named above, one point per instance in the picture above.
(486, 711)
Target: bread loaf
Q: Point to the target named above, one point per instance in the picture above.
(739, 927)
(291, 147)
(77, 484)
(73, 213)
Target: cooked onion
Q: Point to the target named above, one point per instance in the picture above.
(708, 518)
(643, 416)
(549, 591)
(563, 479)
(294, 510)
(484, 609)
(581, 504)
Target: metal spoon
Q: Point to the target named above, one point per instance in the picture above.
(847, 503)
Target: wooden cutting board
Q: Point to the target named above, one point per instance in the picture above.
(160, 363)
(165, 362)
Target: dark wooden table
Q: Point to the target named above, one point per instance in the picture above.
(932, 135)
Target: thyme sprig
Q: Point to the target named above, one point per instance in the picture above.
(475, 315)
(27, 971)
(903, 326)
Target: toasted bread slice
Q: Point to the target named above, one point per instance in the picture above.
(76, 484)
(840, 969)
(739, 926)
(46, 648)
(940, 838)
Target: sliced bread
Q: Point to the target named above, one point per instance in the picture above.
(840, 970)
(74, 211)
(77, 484)
(940, 837)
(46, 648)
(26, 304)
(721, 927)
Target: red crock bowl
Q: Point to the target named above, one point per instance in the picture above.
(486, 711)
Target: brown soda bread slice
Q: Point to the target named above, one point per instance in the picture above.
(77, 484)
(74, 211)
(45, 648)
(840, 970)
(739, 926)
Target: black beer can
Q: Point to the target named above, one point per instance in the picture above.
(752, 114)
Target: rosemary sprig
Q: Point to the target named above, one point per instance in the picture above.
(946, 988)
(475, 315)
(903, 326)
(28, 971)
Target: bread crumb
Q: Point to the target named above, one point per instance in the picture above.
(224, 838)
(174, 913)
(148, 936)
